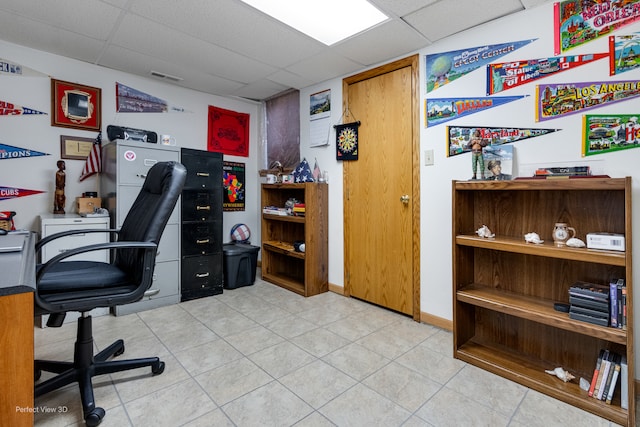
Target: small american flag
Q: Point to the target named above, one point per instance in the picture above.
(94, 159)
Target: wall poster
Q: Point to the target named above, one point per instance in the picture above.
(233, 181)
(228, 132)
(624, 53)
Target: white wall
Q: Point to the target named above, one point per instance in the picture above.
(36, 133)
(435, 181)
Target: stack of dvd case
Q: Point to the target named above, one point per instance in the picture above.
(589, 302)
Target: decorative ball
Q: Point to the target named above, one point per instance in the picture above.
(240, 233)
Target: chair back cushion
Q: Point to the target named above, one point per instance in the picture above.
(150, 212)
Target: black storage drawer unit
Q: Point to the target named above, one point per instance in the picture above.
(201, 248)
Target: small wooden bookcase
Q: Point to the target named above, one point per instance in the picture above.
(305, 273)
(504, 289)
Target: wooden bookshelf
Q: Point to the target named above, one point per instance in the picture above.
(504, 289)
(305, 273)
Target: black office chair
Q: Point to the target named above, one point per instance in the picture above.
(85, 285)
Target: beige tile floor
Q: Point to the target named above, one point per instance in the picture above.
(264, 356)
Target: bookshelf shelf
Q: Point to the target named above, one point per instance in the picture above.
(504, 289)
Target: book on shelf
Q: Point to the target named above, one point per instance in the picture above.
(564, 171)
(274, 210)
(624, 307)
(624, 383)
(614, 380)
(606, 381)
(596, 372)
(613, 303)
(596, 390)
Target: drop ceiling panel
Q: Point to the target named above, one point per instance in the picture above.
(172, 46)
(440, 19)
(325, 66)
(260, 90)
(91, 18)
(403, 7)
(391, 39)
(26, 32)
(234, 25)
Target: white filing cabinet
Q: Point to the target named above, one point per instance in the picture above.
(51, 224)
(124, 167)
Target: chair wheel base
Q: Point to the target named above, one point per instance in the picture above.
(94, 417)
(158, 369)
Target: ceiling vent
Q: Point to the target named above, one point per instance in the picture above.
(165, 76)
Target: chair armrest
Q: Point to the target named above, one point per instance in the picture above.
(55, 236)
(150, 251)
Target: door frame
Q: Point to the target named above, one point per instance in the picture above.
(413, 62)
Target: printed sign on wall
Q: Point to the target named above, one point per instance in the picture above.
(605, 133)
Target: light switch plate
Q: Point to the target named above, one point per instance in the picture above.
(428, 157)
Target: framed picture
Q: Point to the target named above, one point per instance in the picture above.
(75, 148)
(228, 132)
(75, 106)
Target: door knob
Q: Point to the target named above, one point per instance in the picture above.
(404, 198)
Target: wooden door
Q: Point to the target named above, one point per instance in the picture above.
(381, 188)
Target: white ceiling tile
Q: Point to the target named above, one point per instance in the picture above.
(91, 18)
(325, 66)
(173, 46)
(289, 79)
(402, 7)
(391, 39)
(260, 90)
(439, 20)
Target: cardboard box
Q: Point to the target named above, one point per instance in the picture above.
(87, 204)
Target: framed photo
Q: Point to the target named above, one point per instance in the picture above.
(75, 106)
(75, 148)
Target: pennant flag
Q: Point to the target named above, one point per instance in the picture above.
(8, 68)
(93, 164)
(445, 67)
(11, 152)
(560, 99)
(9, 109)
(458, 136)
(130, 100)
(624, 53)
(507, 75)
(440, 110)
(13, 192)
(577, 22)
(606, 133)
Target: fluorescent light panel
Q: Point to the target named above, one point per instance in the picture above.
(328, 21)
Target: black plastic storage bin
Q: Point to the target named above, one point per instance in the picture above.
(240, 261)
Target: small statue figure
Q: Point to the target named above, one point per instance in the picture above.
(476, 145)
(562, 374)
(485, 232)
(59, 197)
(533, 238)
(574, 242)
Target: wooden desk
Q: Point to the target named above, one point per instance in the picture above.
(17, 283)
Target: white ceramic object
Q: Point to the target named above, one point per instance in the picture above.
(533, 238)
(562, 374)
(485, 232)
(574, 242)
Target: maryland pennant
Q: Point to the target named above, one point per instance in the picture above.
(13, 193)
(458, 136)
(9, 109)
(11, 152)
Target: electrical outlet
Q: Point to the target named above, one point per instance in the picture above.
(428, 157)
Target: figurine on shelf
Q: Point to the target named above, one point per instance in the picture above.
(476, 145)
(533, 238)
(485, 232)
(574, 242)
(59, 197)
(562, 374)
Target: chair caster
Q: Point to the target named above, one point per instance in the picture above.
(119, 352)
(94, 417)
(158, 369)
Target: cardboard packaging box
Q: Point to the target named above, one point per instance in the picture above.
(87, 204)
